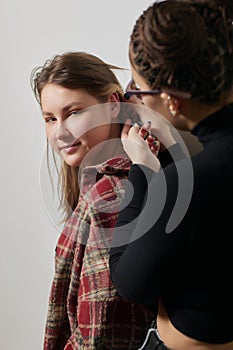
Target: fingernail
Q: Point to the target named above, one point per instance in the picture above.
(154, 142)
(149, 122)
(147, 134)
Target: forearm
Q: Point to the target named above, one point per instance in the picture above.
(142, 249)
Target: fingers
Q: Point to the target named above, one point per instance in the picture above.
(153, 144)
(155, 148)
(126, 128)
(150, 139)
(144, 131)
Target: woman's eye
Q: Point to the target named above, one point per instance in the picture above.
(75, 113)
(50, 120)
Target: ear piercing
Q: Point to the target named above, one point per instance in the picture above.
(172, 111)
(170, 107)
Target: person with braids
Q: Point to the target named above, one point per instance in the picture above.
(78, 94)
(173, 240)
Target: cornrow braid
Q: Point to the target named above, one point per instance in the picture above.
(185, 46)
(220, 33)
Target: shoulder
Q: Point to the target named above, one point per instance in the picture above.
(105, 183)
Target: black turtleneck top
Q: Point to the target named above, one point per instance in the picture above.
(174, 237)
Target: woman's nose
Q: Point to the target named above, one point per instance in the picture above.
(61, 136)
(62, 132)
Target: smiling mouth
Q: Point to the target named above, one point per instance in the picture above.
(70, 148)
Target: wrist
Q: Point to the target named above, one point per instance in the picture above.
(151, 162)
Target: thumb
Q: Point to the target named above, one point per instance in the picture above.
(126, 128)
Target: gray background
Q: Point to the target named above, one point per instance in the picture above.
(31, 32)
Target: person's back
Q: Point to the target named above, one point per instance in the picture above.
(181, 60)
(197, 290)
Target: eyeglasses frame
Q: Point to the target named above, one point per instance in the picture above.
(128, 93)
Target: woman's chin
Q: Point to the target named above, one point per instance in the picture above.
(72, 161)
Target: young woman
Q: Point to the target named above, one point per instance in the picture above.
(79, 97)
(181, 55)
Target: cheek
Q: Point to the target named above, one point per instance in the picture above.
(97, 135)
(82, 126)
(50, 135)
(155, 103)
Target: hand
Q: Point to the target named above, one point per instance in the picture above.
(138, 149)
(129, 110)
(159, 128)
(163, 136)
(151, 140)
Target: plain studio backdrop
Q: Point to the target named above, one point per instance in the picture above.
(31, 32)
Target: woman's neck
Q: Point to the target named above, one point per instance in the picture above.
(193, 112)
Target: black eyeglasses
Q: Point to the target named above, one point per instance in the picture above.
(133, 90)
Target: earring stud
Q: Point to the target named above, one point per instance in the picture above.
(172, 111)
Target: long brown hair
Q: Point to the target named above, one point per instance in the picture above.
(75, 70)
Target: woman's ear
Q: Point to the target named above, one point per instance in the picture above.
(172, 103)
(115, 106)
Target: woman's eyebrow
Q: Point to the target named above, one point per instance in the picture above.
(64, 109)
(71, 105)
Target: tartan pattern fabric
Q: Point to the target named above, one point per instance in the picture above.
(85, 310)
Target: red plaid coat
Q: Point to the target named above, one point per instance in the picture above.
(85, 310)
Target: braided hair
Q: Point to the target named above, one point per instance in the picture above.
(187, 46)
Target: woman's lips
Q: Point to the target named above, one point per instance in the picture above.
(71, 148)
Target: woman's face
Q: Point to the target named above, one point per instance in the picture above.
(154, 102)
(71, 130)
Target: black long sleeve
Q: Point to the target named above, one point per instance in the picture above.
(179, 245)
